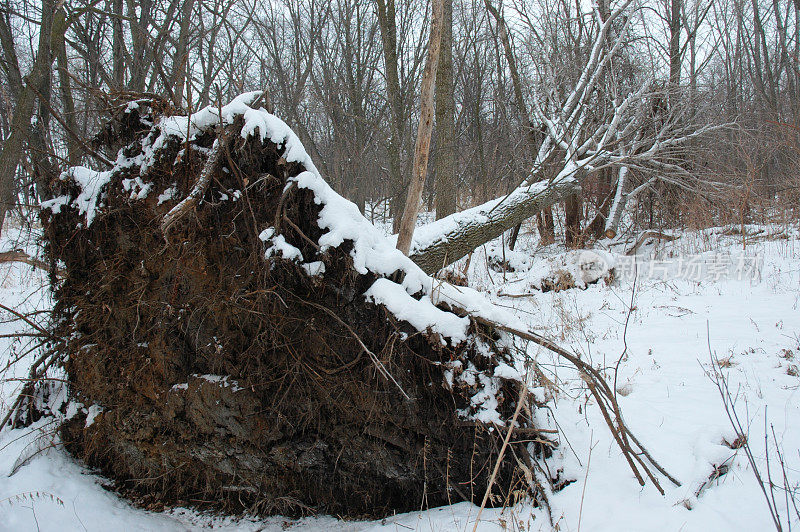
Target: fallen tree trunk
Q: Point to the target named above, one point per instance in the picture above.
(444, 241)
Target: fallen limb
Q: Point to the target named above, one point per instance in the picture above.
(18, 255)
(606, 401)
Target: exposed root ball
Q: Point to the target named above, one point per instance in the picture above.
(236, 361)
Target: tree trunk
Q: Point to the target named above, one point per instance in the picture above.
(572, 221)
(596, 228)
(674, 49)
(512, 241)
(445, 172)
(445, 241)
(388, 27)
(548, 235)
(179, 68)
(422, 150)
(618, 205)
(118, 45)
(11, 66)
(65, 87)
(12, 148)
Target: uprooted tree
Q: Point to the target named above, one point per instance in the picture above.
(234, 331)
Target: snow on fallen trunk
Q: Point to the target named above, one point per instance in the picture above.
(444, 241)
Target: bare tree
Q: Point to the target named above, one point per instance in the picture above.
(422, 150)
(613, 141)
(445, 168)
(26, 92)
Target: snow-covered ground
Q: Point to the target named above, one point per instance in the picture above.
(667, 323)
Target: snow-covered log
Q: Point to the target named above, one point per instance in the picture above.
(446, 240)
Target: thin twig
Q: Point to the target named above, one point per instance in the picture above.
(603, 394)
(721, 382)
(27, 320)
(522, 395)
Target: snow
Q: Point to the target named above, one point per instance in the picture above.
(167, 195)
(223, 381)
(659, 328)
(485, 402)
(664, 391)
(281, 247)
(92, 413)
(138, 188)
(578, 268)
(54, 205)
(422, 314)
(91, 184)
(507, 372)
(669, 400)
(314, 268)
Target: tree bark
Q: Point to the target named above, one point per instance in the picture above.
(179, 67)
(445, 241)
(674, 49)
(422, 150)
(596, 227)
(388, 27)
(618, 205)
(11, 66)
(445, 170)
(12, 148)
(65, 87)
(572, 221)
(117, 45)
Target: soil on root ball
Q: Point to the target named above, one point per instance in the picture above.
(218, 375)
